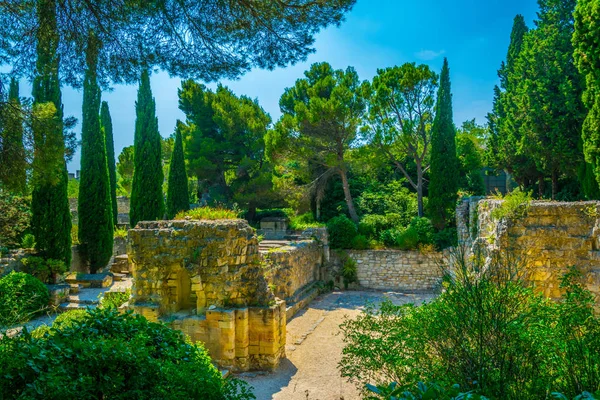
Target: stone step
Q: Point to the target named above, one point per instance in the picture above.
(120, 263)
(90, 280)
(118, 277)
(74, 288)
(82, 299)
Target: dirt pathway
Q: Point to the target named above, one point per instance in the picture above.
(314, 348)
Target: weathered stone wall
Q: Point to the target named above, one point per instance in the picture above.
(206, 278)
(410, 271)
(547, 238)
(291, 268)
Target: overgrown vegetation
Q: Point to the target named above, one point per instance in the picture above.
(22, 297)
(489, 332)
(514, 205)
(209, 213)
(102, 354)
(46, 270)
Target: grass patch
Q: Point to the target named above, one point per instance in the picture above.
(515, 205)
(208, 213)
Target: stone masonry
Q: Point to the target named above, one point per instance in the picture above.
(205, 279)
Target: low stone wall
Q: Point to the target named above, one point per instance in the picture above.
(205, 278)
(410, 271)
(291, 268)
(546, 238)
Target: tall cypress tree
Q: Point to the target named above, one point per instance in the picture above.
(444, 180)
(95, 207)
(51, 216)
(178, 198)
(12, 152)
(106, 122)
(147, 202)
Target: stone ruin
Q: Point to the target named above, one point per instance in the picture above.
(205, 278)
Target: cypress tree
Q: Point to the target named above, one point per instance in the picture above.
(12, 155)
(178, 198)
(95, 207)
(444, 179)
(147, 202)
(106, 122)
(51, 216)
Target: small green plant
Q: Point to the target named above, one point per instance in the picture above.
(349, 272)
(74, 234)
(515, 205)
(304, 221)
(28, 241)
(341, 232)
(114, 300)
(22, 297)
(360, 242)
(208, 213)
(120, 233)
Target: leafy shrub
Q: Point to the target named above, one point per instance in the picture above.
(445, 238)
(424, 229)
(514, 205)
(489, 332)
(408, 239)
(390, 237)
(69, 318)
(28, 241)
(45, 270)
(22, 297)
(15, 217)
(304, 221)
(372, 225)
(208, 213)
(391, 198)
(360, 242)
(422, 392)
(341, 232)
(419, 232)
(111, 356)
(115, 299)
(349, 271)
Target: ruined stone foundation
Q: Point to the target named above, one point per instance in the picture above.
(205, 279)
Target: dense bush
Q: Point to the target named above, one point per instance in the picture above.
(488, 332)
(22, 297)
(208, 213)
(15, 217)
(107, 355)
(46, 271)
(371, 225)
(419, 232)
(304, 221)
(341, 232)
(391, 198)
(360, 242)
(445, 238)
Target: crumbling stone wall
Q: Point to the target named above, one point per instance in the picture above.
(547, 239)
(291, 268)
(205, 278)
(411, 271)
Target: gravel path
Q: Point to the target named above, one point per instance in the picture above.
(314, 348)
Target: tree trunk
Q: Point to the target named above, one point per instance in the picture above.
(541, 187)
(420, 189)
(348, 195)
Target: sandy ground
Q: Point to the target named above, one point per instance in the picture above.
(314, 349)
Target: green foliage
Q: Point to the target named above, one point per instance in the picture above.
(22, 297)
(121, 233)
(385, 199)
(488, 331)
(209, 213)
(15, 217)
(514, 205)
(360, 242)
(321, 117)
(115, 300)
(28, 241)
(401, 112)
(587, 59)
(423, 391)
(96, 220)
(444, 171)
(419, 232)
(349, 271)
(177, 195)
(304, 221)
(51, 215)
(106, 355)
(13, 156)
(73, 188)
(445, 238)
(69, 318)
(46, 271)
(470, 156)
(341, 232)
(106, 123)
(125, 168)
(147, 203)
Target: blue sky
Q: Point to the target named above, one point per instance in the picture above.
(473, 34)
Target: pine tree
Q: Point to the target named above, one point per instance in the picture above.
(587, 59)
(177, 195)
(95, 207)
(106, 122)
(13, 174)
(444, 174)
(51, 216)
(147, 203)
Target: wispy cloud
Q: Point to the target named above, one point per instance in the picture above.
(428, 55)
